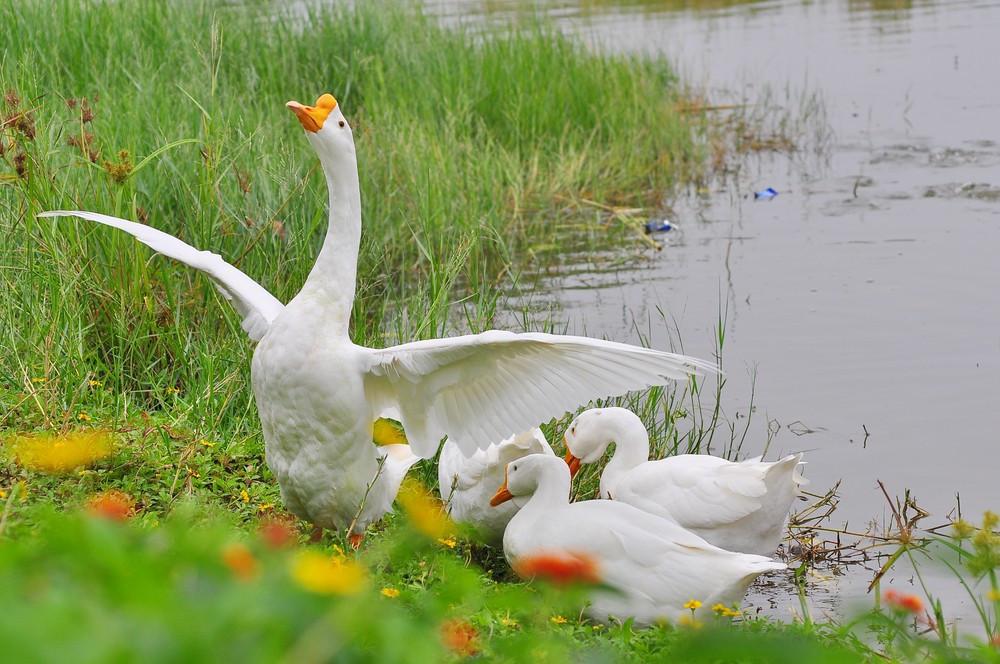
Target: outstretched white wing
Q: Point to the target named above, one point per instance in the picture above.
(481, 388)
(251, 300)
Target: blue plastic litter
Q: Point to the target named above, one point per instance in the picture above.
(659, 226)
(766, 194)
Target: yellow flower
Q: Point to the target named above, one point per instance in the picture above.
(507, 621)
(324, 575)
(40, 380)
(689, 621)
(391, 593)
(49, 453)
(94, 383)
(263, 507)
(206, 443)
(559, 620)
(725, 611)
(3, 494)
(448, 542)
(963, 529)
(692, 604)
(244, 496)
(83, 417)
(388, 432)
(990, 520)
(425, 512)
(173, 390)
(992, 595)
(598, 627)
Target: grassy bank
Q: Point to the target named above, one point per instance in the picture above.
(172, 113)
(157, 534)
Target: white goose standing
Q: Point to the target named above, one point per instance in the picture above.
(318, 393)
(736, 506)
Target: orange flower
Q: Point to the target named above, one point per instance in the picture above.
(277, 533)
(240, 561)
(111, 505)
(460, 637)
(561, 568)
(903, 602)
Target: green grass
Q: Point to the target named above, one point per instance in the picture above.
(473, 149)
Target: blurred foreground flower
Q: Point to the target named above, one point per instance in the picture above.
(277, 533)
(903, 601)
(48, 453)
(460, 637)
(324, 575)
(725, 612)
(111, 505)
(425, 512)
(240, 561)
(690, 622)
(558, 568)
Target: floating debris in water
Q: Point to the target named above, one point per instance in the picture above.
(765, 195)
(660, 226)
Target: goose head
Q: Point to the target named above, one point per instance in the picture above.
(327, 130)
(524, 476)
(588, 437)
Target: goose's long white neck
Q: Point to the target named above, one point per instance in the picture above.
(631, 446)
(552, 491)
(332, 281)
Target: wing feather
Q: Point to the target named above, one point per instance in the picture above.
(257, 306)
(485, 387)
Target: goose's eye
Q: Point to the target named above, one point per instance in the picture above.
(513, 467)
(342, 123)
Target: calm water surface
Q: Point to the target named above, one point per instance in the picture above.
(865, 295)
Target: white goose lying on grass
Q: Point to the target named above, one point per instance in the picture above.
(318, 393)
(468, 483)
(652, 566)
(735, 506)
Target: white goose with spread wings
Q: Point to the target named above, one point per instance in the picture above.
(318, 393)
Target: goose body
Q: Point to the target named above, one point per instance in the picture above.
(736, 506)
(652, 566)
(468, 483)
(318, 393)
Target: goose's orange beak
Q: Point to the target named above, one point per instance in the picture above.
(313, 117)
(503, 494)
(573, 463)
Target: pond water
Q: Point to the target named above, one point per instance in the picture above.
(864, 296)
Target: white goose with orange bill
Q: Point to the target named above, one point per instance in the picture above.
(318, 393)
(642, 566)
(737, 506)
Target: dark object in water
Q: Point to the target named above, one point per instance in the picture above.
(766, 194)
(659, 226)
